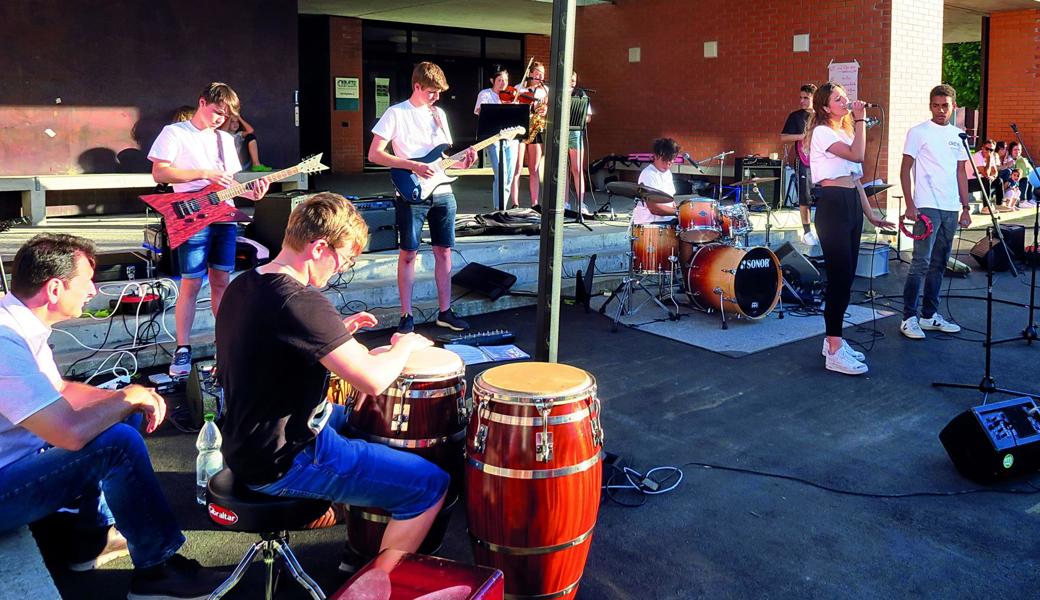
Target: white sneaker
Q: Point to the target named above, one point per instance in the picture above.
(809, 239)
(843, 362)
(854, 353)
(938, 323)
(911, 328)
(181, 364)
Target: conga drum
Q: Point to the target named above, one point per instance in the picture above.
(533, 475)
(423, 412)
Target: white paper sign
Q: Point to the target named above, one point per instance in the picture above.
(382, 90)
(847, 75)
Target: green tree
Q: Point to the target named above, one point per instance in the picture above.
(962, 68)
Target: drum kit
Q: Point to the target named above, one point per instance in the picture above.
(704, 252)
(523, 455)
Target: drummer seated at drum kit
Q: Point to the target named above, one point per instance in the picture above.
(278, 337)
(658, 175)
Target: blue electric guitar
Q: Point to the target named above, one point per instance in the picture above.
(416, 190)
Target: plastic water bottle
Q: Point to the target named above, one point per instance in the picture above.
(210, 460)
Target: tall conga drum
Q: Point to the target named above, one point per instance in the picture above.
(423, 412)
(533, 449)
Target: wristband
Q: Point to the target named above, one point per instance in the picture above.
(859, 121)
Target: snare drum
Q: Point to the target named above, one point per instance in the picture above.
(740, 281)
(653, 248)
(533, 475)
(736, 220)
(423, 412)
(699, 220)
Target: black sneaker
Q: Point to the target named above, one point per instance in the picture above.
(406, 324)
(448, 318)
(350, 562)
(178, 578)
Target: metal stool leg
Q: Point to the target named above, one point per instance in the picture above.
(236, 575)
(297, 571)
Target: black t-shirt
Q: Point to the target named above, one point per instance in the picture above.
(796, 122)
(271, 333)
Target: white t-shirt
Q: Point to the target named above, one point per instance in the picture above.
(936, 150)
(823, 164)
(29, 378)
(412, 130)
(486, 96)
(186, 147)
(651, 177)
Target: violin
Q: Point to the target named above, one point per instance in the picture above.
(512, 94)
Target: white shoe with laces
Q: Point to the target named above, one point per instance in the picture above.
(855, 353)
(911, 328)
(843, 362)
(938, 323)
(809, 239)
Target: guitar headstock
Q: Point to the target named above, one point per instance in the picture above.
(312, 164)
(511, 132)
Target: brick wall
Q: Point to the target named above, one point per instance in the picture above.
(1014, 77)
(738, 101)
(916, 55)
(538, 47)
(348, 131)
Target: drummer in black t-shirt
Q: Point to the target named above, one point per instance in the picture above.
(278, 337)
(794, 132)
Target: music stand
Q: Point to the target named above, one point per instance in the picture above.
(579, 115)
(492, 119)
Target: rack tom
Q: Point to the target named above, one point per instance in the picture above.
(735, 220)
(423, 412)
(533, 449)
(699, 220)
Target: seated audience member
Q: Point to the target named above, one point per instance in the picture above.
(1022, 164)
(278, 337)
(65, 444)
(1012, 194)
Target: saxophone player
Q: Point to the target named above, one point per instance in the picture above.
(534, 88)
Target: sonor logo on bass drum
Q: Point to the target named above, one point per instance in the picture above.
(756, 263)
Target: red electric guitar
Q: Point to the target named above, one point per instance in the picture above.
(188, 213)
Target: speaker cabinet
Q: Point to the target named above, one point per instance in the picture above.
(484, 280)
(756, 166)
(984, 252)
(271, 216)
(995, 441)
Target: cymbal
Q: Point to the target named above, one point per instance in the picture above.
(623, 188)
(756, 180)
(654, 196)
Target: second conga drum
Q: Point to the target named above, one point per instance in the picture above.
(533, 449)
(424, 412)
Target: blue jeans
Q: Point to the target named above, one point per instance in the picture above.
(929, 261)
(39, 484)
(440, 211)
(508, 164)
(214, 245)
(339, 469)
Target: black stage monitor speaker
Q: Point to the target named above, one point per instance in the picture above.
(984, 252)
(790, 256)
(995, 441)
(484, 280)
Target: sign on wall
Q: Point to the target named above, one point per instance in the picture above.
(382, 95)
(846, 74)
(348, 93)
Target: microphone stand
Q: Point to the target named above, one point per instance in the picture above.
(987, 385)
(1029, 334)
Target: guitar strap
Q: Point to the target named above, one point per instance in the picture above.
(220, 151)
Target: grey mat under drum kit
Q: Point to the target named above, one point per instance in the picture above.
(704, 255)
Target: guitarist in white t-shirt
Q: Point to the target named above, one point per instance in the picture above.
(414, 128)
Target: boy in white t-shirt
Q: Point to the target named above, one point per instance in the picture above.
(658, 175)
(934, 159)
(191, 155)
(414, 128)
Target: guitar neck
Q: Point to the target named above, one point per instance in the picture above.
(450, 161)
(240, 188)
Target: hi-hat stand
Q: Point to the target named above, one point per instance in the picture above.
(988, 384)
(1029, 334)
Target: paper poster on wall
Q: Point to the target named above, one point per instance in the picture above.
(846, 74)
(348, 93)
(382, 95)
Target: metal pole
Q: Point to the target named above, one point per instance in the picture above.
(550, 256)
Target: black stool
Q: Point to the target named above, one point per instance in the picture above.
(235, 507)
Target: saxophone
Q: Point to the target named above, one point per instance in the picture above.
(536, 124)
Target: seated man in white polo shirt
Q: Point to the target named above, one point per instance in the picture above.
(65, 444)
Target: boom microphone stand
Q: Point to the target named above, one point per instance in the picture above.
(987, 385)
(1029, 334)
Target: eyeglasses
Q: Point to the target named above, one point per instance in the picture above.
(344, 263)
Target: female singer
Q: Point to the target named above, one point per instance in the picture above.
(837, 144)
(535, 86)
(492, 95)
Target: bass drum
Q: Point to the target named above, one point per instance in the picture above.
(742, 281)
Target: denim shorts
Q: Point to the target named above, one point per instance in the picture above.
(574, 140)
(214, 245)
(441, 215)
(359, 473)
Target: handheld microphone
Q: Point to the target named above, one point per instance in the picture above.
(865, 105)
(686, 157)
(963, 136)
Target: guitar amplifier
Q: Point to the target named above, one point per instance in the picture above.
(121, 266)
(756, 166)
(381, 217)
(272, 215)
(995, 441)
(157, 248)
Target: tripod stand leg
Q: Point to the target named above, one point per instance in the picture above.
(722, 309)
